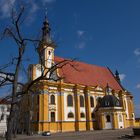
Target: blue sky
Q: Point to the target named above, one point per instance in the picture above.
(102, 32)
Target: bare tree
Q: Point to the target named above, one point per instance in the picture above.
(8, 78)
(14, 32)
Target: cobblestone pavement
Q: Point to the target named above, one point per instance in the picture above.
(86, 135)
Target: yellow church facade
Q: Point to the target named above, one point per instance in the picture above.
(60, 107)
(89, 97)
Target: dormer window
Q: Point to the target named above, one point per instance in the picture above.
(107, 103)
(117, 103)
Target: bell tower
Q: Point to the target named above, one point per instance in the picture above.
(46, 46)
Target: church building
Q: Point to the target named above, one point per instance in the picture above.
(87, 97)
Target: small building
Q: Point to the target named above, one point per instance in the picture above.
(111, 113)
(4, 113)
(137, 122)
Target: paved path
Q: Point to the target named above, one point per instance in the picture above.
(87, 135)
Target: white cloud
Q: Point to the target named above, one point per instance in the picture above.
(81, 45)
(32, 11)
(47, 1)
(80, 33)
(34, 7)
(137, 52)
(138, 86)
(122, 76)
(5, 7)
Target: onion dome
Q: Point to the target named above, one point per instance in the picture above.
(110, 101)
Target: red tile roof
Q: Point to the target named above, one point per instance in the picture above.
(3, 101)
(87, 74)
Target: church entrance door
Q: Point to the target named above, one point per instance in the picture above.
(108, 124)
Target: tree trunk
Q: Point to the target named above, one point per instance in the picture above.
(9, 125)
(10, 130)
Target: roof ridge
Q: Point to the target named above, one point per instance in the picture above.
(116, 79)
(82, 62)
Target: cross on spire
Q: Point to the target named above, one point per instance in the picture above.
(117, 75)
(46, 12)
(46, 38)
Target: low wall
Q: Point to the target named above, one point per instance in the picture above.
(65, 126)
(137, 122)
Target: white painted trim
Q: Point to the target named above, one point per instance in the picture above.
(120, 124)
(68, 109)
(52, 88)
(126, 109)
(81, 91)
(66, 89)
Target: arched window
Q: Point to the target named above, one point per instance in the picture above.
(49, 52)
(2, 108)
(82, 115)
(120, 118)
(91, 101)
(81, 101)
(69, 100)
(108, 118)
(52, 99)
(70, 115)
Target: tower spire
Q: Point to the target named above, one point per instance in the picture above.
(46, 37)
(46, 14)
(46, 46)
(107, 89)
(117, 76)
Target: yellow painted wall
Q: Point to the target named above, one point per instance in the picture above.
(82, 126)
(102, 121)
(115, 121)
(94, 125)
(53, 127)
(68, 126)
(137, 123)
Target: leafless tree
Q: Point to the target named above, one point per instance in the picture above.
(7, 78)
